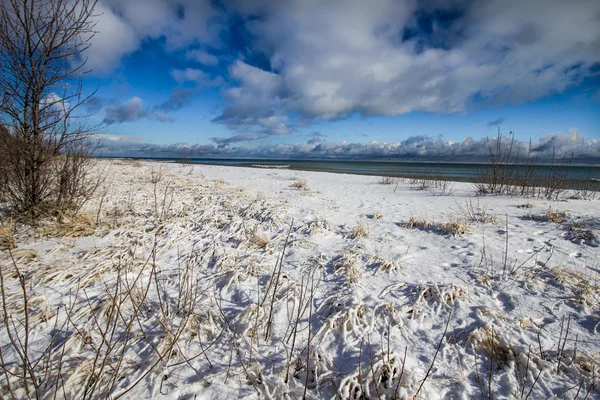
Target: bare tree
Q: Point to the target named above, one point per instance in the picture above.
(42, 66)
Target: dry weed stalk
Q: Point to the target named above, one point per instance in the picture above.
(103, 334)
(475, 213)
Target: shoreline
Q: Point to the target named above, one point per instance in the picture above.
(578, 175)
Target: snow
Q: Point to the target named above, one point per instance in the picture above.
(230, 279)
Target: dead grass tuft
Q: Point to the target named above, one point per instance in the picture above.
(456, 227)
(65, 225)
(258, 240)
(359, 231)
(494, 346)
(555, 216)
(417, 223)
(6, 238)
(300, 184)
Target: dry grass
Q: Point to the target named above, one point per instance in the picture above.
(550, 215)
(586, 291)
(300, 184)
(377, 215)
(494, 346)
(359, 231)
(456, 227)
(555, 216)
(476, 213)
(417, 223)
(6, 238)
(258, 240)
(347, 265)
(66, 225)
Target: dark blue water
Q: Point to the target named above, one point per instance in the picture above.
(447, 170)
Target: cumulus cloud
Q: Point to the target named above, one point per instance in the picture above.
(123, 25)
(413, 148)
(132, 110)
(202, 57)
(328, 61)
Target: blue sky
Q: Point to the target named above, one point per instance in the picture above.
(263, 77)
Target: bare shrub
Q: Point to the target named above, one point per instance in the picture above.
(388, 176)
(44, 160)
(509, 173)
(495, 178)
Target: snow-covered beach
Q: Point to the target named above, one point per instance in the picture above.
(196, 281)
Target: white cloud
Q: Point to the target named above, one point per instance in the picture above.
(189, 75)
(342, 57)
(132, 110)
(202, 57)
(122, 25)
(415, 147)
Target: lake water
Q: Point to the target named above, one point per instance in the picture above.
(452, 171)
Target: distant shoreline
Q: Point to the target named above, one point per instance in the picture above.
(443, 170)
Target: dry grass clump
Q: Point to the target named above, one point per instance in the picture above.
(347, 265)
(66, 225)
(389, 266)
(494, 346)
(581, 232)
(300, 184)
(258, 240)
(315, 226)
(550, 215)
(456, 227)
(585, 291)
(377, 215)
(417, 223)
(359, 231)
(439, 294)
(6, 238)
(555, 216)
(383, 376)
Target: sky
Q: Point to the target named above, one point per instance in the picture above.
(344, 78)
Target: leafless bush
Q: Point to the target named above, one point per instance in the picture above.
(44, 160)
(388, 176)
(509, 173)
(589, 190)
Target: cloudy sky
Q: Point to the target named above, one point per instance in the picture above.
(344, 77)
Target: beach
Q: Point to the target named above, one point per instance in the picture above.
(187, 281)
